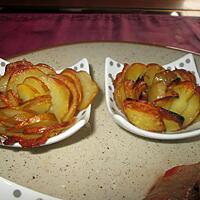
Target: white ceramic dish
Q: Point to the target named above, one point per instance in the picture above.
(12, 191)
(113, 67)
(81, 119)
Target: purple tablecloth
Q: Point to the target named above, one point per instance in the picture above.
(21, 33)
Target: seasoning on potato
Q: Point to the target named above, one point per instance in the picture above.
(156, 99)
(37, 103)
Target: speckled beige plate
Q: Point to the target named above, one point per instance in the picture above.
(102, 160)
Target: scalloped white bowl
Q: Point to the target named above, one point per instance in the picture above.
(112, 68)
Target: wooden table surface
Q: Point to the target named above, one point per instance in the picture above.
(182, 5)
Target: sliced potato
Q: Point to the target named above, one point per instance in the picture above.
(151, 70)
(185, 90)
(74, 97)
(60, 96)
(39, 104)
(21, 75)
(89, 87)
(185, 75)
(165, 102)
(135, 71)
(6, 113)
(26, 92)
(172, 121)
(12, 98)
(72, 74)
(119, 95)
(45, 68)
(157, 90)
(120, 76)
(16, 66)
(134, 90)
(42, 119)
(192, 109)
(165, 76)
(144, 115)
(37, 84)
(3, 82)
(4, 101)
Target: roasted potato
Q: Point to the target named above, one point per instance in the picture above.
(156, 99)
(37, 103)
(144, 115)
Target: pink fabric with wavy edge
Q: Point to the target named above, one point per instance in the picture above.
(26, 32)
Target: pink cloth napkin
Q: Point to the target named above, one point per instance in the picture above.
(26, 32)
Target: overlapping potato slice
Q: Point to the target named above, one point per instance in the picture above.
(26, 92)
(12, 98)
(19, 77)
(192, 109)
(39, 104)
(72, 74)
(73, 99)
(60, 96)
(135, 71)
(144, 115)
(172, 121)
(119, 95)
(185, 75)
(45, 68)
(185, 90)
(89, 87)
(16, 66)
(37, 84)
(151, 70)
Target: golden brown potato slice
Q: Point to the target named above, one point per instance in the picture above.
(39, 104)
(12, 98)
(192, 109)
(151, 70)
(45, 68)
(4, 102)
(135, 71)
(6, 113)
(18, 118)
(42, 119)
(165, 76)
(26, 92)
(144, 115)
(3, 82)
(164, 102)
(157, 90)
(74, 96)
(172, 121)
(119, 95)
(185, 90)
(21, 75)
(89, 87)
(185, 75)
(48, 129)
(72, 74)
(16, 66)
(134, 90)
(128, 89)
(60, 96)
(120, 76)
(36, 83)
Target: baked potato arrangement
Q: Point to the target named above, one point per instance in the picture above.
(37, 103)
(155, 99)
